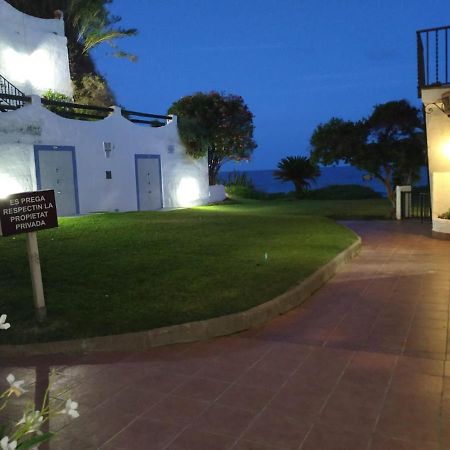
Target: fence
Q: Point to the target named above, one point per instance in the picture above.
(432, 57)
(80, 112)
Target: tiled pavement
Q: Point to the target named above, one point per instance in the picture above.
(360, 366)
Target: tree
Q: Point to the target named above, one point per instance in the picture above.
(88, 23)
(217, 125)
(389, 144)
(298, 169)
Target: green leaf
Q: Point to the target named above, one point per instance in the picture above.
(34, 441)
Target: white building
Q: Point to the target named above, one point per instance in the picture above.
(103, 165)
(33, 52)
(434, 89)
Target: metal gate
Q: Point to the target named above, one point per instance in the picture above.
(419, 205)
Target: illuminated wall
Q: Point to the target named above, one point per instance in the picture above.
(438, 137)
(184, 179)
(33, 52)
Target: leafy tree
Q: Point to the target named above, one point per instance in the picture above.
(217, 125)
(298, 169)
(389, 144)
(88, 23)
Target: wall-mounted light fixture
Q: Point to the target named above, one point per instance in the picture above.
(107, 147)
(446, 102)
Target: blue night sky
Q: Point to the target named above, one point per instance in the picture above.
(296, 63)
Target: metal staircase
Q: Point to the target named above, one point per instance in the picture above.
(8, 96)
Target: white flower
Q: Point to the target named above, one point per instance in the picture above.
(6, 444)
(71, 409)
(15, 387)
(32, 420)
(3, 324)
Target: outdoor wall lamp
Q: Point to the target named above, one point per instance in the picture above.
(107, 147)
(443, 105)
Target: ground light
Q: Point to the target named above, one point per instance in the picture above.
(188, 192)
(9, 185)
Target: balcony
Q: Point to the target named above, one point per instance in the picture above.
(432, 58)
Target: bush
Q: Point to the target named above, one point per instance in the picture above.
(236, 178)
(445, 215)
(93, 90)
(342, 192)
(57, 97)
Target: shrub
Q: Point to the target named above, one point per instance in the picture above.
(57, 97)
(445, 215)
(342, 192)
(93, 90)
(236, 178)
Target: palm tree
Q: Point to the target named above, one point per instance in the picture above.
(299, 170)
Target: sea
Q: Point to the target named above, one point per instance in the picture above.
(264, 181)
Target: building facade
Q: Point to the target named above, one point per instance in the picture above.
(110, 164)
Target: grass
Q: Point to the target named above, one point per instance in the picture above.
(115, 273)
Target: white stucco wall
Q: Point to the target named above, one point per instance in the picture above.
(217, 193)
(438, 137)
(33, 52)
(33, 124)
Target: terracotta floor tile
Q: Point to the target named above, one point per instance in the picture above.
(249, 445)
(303, 402)
(245, 397)
(263, 379)
(323, 367)
(385, 443)
(353, 407)
(94, 392)
(277, 430)
(223, 420)
(407, 365)
(416, 384)
(133, 400)
(97, 426)
(410, 418)
(278, 363)
(370, 368)
(179, 410)
(144, 434)
(162, 382)
(321, 438)
(201, 389)
(222, 371)
(197, 440)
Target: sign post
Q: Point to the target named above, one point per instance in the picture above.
(36, 276)
(29, 212)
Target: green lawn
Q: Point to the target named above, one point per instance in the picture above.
(116, 273)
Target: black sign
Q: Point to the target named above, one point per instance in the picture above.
(27, 211)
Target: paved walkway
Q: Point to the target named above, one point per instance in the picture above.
(360, 366)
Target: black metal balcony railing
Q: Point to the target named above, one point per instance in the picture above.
(80, 112)
(8, 89)
(432, 57)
